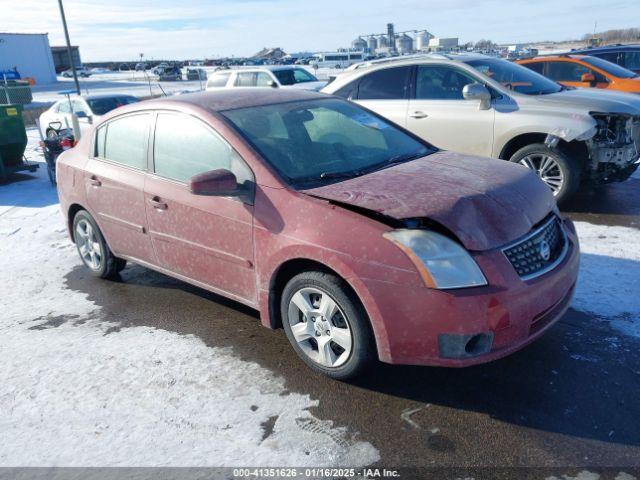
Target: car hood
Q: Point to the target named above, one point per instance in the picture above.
(486, 203)
(594, 100)
(315, 86)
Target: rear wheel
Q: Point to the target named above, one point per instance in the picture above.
(326, 325)
(558, 170)
(92, 248)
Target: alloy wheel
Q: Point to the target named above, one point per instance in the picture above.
(320, 327)
(88, 245)
(547, 169)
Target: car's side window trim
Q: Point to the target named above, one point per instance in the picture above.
(94, 138)
(152, 138)
(406, 86)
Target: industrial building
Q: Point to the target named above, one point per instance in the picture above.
(61, 58)
(402, 43)
(29, 54)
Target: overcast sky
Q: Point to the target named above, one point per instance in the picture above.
(122, 29)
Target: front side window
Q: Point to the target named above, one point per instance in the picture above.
(185, 146)
(435, 82)
(79, 107)
(514, 77)
(318, 141)
(124, 140)
(570, 72)
(611, 68)
(384, 84)
(64, 107)
(293, 76)
(631, 60)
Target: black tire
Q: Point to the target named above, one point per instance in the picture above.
(362, 352)
(568, 165)
(109, 264)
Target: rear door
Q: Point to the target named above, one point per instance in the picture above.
(208, 239)
(439, 113)
(114, 182)
(386, 92)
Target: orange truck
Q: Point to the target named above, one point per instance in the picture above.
(584, 71)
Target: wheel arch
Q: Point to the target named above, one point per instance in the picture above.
(576, 148)
(73, 209)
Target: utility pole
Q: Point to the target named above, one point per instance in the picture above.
(66, 34)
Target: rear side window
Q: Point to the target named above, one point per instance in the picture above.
(263, 79)
(385, 84)
(535, 66)
(247, 79)
(631, 60)
(124, 140)
(609, 56)
(185, 146)
(219, 80)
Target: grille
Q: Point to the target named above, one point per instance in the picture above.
(540, 251)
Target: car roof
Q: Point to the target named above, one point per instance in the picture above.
(234, 98)
(556, 56)
(608, 48)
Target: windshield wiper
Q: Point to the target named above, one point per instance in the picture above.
(405, 158)
(334, 175)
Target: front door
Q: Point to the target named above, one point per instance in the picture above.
(114, 180)
(208, 239)
(439, 113)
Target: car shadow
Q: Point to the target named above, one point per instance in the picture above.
(33, 190)
(619, 201)
(580, 379)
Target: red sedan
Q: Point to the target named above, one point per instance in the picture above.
(361, 240)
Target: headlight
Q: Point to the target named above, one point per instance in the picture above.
(442, 263)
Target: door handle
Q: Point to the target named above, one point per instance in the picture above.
(157, 204)
(418, 114)
(93, 181)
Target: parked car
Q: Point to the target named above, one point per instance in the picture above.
(170, 74)
(585, 72)
(272, 76)
(160, 68)
(491, 107)
(141, 67)
(80, 71)
(627, 56)
(88, 108)
(358, 238)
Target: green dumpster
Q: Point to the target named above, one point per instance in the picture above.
(13, 141)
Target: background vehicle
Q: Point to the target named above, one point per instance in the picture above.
(336, 59)
(196, 74)
(141, 67)
(88, 109)
(53, 146)
(495, 108)
(80, 71)
(271, 76)
(627, 56)
(406, 289)
(584, 71)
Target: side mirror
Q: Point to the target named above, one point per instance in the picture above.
(219, 183)
(588, 78)
(81, 114)
(477, 91)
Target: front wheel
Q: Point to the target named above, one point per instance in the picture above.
(326, 325)
(93, 249)
(558, 170)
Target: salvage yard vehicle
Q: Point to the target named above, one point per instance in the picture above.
(627, 56)
(487, 106)
(88, 108)
(583, 71)
(271, 76)
(80, 72)
(360, 239)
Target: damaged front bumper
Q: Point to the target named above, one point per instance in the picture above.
(614, 149)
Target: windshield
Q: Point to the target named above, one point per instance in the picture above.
(515, 77)
(293, 76)
(609, 67)
(319, 141)
(100, 106)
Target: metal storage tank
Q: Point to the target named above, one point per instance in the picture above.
(359, 44)
(372, 43)
(383, 41)
(30, 53)
(422, 40)
(404, 43)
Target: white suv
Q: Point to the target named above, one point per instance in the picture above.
(486, 106)
(272, 76)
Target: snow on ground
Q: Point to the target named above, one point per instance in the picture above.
(609, 275)
(74, 393)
